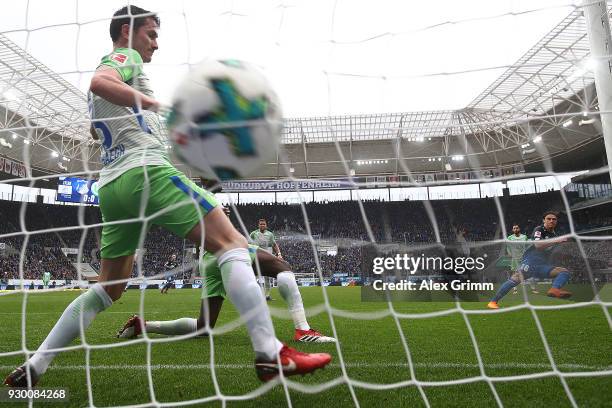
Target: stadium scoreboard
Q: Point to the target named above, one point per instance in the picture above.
(77, 190)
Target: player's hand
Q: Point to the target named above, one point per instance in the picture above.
(279, 256)
(151, 104)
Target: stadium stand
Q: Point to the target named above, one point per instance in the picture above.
(339, 223)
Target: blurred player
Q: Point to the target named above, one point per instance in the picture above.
(536, 262)
(265, 240)
(214, 294)
(138, 175)
(46, 278)
(516, 250)
(169, 265)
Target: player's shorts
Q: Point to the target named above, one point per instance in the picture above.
(212, 283)
(121, 200)
(535, 268)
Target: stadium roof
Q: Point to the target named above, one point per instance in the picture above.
(42, 109)
(551, 82)
(555, 69)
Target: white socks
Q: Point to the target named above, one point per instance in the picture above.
(243, 291)
(288, 288)
(173, 327)
(68, 327)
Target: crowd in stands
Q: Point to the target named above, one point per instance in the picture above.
(347, 226)
(301, 256)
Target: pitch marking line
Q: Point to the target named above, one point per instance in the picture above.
(440, 365)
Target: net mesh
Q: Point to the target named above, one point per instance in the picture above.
(32, 112)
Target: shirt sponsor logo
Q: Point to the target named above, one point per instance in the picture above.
(110, 155)
(120, 58)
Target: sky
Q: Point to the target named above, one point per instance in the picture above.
(323, 57)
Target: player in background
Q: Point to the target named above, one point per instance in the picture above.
(536, 262)
(169, 265)
(516, 250)
(214, 294)
(137, 177)
(265, 240)
(46, 278)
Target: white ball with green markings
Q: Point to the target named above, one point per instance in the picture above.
(225, 121)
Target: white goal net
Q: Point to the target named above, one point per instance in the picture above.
(430, 131)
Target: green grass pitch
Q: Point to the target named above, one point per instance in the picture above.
(373, 352)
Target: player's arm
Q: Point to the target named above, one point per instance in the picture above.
(107, 83)
(252, 236)
(275, 248)
(541, 244)
(549, 242)
(508, 250)
(93, 133)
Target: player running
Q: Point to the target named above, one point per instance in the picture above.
(214, 294)
(516, 250)
(265, 240)
(535, 262)
(138, 180)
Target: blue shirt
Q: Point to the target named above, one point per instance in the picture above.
(539, 234)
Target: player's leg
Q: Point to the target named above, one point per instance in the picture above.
(230, 247)
(506, 287)
(560, 277)
(213, 295)
(262, 284)
(76, 319)
(209, 313)
(136, 325)
(119, 242)
(267, 285)
(274, 267)
(533, 285)
(514, 265)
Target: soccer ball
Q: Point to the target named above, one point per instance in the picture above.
(225, 120)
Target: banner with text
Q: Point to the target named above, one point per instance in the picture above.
(286, 185)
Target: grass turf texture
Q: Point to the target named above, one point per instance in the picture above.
(441, 349)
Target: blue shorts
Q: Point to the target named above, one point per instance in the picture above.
(535, 268)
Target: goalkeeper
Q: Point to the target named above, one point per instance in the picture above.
(137, 181)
